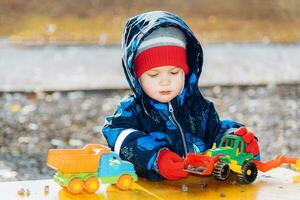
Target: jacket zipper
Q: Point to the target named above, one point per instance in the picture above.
(178, 125)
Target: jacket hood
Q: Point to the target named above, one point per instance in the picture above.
(138, 27)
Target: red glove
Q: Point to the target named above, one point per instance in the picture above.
(170, 165)
(249, 138)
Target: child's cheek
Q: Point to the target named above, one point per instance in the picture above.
(148, 87)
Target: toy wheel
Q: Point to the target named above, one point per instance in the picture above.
(75, 186)
(221, 171)
(124, 182)
(91, 185)
(249, 172)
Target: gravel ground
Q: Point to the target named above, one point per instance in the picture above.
(32, 123)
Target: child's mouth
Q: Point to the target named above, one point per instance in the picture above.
(165, 92)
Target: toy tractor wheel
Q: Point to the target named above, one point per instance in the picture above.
(249, 172)
(75, 186)
(221, 171)
(124, 182)
(91, 185)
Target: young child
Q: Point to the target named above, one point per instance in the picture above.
(166, 117)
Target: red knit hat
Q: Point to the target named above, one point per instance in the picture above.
(165, 46)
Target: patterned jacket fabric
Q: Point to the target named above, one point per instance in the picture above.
(141, 126)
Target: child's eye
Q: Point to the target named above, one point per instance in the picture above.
(153, 75)
(175, 72)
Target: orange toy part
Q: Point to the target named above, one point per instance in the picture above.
(279, 160)
(75, 186)
(92, 184)
(204, 164)
(124, 182)
(84, 160)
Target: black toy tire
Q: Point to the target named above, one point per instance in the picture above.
(221, 171)
(247, 176)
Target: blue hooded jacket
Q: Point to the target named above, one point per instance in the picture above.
(141, 126)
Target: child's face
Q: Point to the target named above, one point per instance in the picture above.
(162, 83)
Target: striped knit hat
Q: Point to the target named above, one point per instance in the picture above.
(165, 46)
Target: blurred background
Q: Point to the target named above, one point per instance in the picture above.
(61, 74)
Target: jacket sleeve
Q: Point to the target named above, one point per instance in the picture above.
(125, 136)
(216, 128)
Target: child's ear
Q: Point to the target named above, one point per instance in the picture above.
(183, 81)
(139, 80)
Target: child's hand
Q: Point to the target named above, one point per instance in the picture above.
(250, 139)
(170, 165)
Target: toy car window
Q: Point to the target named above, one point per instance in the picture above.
(224, 143)
(231, 143)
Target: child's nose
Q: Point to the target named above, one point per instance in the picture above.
(164, 80)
